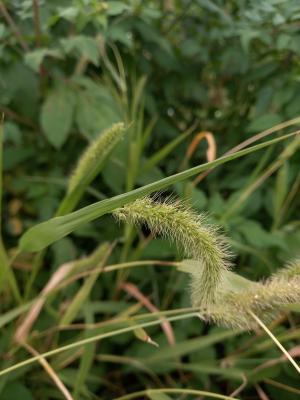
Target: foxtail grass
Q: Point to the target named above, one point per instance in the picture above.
(222, 296)
(192, 234)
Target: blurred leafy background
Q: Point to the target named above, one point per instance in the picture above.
(169, 69)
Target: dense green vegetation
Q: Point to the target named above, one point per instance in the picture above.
(181, 83)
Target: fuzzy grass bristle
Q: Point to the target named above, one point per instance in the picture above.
(291, 270)
(93, 158)
(221, 296)
(265, 299)
(191, 233)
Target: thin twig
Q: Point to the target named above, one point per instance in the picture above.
(19, 118)
(36, 19)
(10, 22)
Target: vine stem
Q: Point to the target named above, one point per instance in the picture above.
(275, 340)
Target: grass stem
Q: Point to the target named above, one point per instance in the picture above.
(276, 341)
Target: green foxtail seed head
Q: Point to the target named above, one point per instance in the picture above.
(236, 296)
(292, 270)
(222, 296)
(197, 240)
(92, 160)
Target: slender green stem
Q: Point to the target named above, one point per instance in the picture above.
(36, 265)
(285, 154)
(1, 172)
(6, 272)
(149, 392)
(92, 339)
(276, 341)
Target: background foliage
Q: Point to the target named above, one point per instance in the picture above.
(169, 69)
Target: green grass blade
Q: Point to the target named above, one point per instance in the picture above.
(188, 346)
(86, 361)
(48, 232)
(85, 290)
(93, 339)
(14, 313)
(6, 272)
(165, 151)
(198, 393)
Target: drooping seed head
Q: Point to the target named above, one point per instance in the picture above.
(265, 299)
(192, 234)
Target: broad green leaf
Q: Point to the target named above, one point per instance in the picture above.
(257, 236)
(96, 110)
(57, 115)
(84, 45)
(13, 133)
(16, 390)
(46, 233)
(19, 84)
(69, 13)
(35, 58)
(214, 8)
(116, 7)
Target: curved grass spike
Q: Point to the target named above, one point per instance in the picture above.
(238, 297)
(222, 296)
(197, 240)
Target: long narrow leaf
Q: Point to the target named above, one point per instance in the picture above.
(48, 232)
